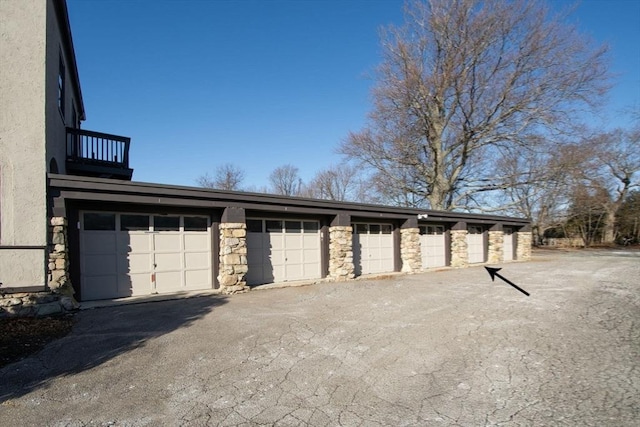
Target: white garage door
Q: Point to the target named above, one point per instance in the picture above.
(281, 250)
(372, 248)
(433, 246)
(508, 246)
(475, 244)
(124, 254)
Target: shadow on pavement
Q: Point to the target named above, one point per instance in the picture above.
(100, 335)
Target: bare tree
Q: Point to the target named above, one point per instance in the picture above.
(461, 82)
(285, 181)
(539, 183)
(628, 219)
(616, 167)
(226, 177)
(565, 181)
(586, 213)
(388, 194)
(341, 182)
(257, 189)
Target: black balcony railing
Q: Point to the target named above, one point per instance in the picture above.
(98, 154)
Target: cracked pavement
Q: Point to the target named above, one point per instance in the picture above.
(443, 348)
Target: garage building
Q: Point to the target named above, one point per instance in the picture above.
(129, 239)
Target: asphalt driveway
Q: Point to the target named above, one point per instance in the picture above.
(433, 349)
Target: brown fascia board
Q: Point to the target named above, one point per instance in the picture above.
(62, 16)
(101, 189)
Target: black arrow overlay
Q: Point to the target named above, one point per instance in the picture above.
(493, 272)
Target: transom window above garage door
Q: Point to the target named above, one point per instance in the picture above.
(166, 223)
(432, 229)
(282, 226)
(134, 222)
(360, 228)
(195, 223)
(103, 221)
(99, 221)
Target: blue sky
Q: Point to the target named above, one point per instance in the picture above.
(263, 83)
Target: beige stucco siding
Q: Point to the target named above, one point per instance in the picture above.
(23, 219)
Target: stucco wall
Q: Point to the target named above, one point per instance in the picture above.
(23, 219)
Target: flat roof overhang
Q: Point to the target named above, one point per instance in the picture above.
(80, 188)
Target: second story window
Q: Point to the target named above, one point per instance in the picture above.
(61, 86)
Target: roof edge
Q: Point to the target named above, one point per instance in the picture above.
(62, 16)
(132, 188)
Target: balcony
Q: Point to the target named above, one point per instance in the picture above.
(98, 154)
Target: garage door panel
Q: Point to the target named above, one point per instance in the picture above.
(125, 286)
(386, 266)
(312, 271)
(196, 260)
(196, 242)
(273, 241)
(254, 248)
(508, 245)
(196, 279)
(311, 256)
(100, 287)
(292, 272)
(278, 273)
(293, 241)
(288, 247)
(133, 242)
(254, 240)
(475, 247)
(382, 257)
(311, 240)
(294, 257)
(254, 256)
(100, 264)
(254, 275)
(386, 242)
(356, 247)
(135, 284)
(433, 250)
(98, 242)
(168, 262)
(179, 247)
(373, 248)
(277, 256)
(168, 281)
(135, 263)
(167, 242)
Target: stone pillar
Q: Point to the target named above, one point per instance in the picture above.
(341, 253)
(459, 248)
(233, 258)
(410, 251)
(523, 246)
(58, 279)
(496, 242)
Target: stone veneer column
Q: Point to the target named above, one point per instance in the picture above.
(341, 253)
(523, 246)
(58, 279)
(410, 250)
(496, 241)
(459, 248)
(233, 258)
